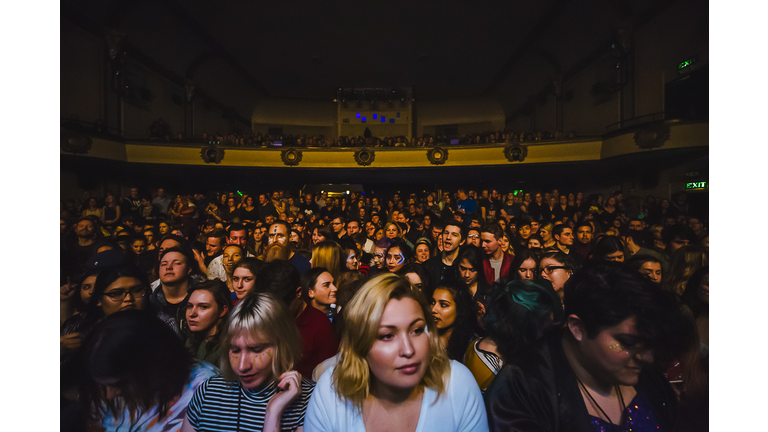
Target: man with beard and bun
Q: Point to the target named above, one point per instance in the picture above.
(442, 268)
(278, 247)
(496, 262)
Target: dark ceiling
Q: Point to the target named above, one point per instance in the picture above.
(308, 49)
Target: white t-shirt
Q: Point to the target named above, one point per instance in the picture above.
(496, 268)
(459, 409)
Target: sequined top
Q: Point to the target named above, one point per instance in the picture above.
(637, 417)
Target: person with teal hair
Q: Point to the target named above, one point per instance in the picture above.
(517, 316)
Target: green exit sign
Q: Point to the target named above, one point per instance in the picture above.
(697, 185)
(685, 64)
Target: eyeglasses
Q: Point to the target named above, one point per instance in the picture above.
(138, 291)
(473, 236)
(550, 269)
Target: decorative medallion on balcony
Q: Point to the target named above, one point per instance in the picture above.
(364, 156)
(437, 155)
(74, 142)
(516, 152)
(291, 157)
(652, 136)
(212, 154)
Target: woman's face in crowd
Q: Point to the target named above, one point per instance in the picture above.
(231, 256)
(323, 293)
(163, 228)
(400, 354)
(525, 232)
(422, 253)
(249, 201)
(443, 308)
(617, 256)
(317, 237)
(504, 243)
(294, 237)
(352, 262)
(615, 354)
(395, 259)
(527, 270)
(611, 201)
(467, 272)
(379, 234)
(558, 276)
(202, 311)
(173, 268)
(86, 288)
(242, 281)
(379, 257)
(414, 279)
(124, 293)
(534, 243)
(391, 231)
(250, 356)
(651, 270)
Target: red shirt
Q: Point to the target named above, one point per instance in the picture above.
(319, 340)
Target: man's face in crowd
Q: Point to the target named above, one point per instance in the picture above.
(149, 236)
(427, 221)
(473, 237)
(262, 199)
(269, 220)
(161, 193)
(353, 227)
(563, 200)
(636, 225)
(584, 234)
(695, 224)
(278, 234)
(308, 199)
(134, 192)
(337, 225)
(534, 227)
(375, 219)
(231, 202)
(239, 238)
(484, 194)
(400, 217)
(489, 243)
(451, 238)
(676, 244)
(85, 228)
(213, 246)
(566, 237)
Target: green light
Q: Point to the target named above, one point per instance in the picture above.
(697, 185)
(239, 193)
(685, 64)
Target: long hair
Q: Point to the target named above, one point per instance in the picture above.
(685, 261)
(106, 277)
(264, 315)
(222, 297)
(330, 255)
(309, 279)
(148, 362)
(352, 375)
(465, 328)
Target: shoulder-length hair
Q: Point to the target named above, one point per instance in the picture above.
(264, 315)
(222, 297)
(330, 255)
(352, 375)
(148, 360)
(465, 327)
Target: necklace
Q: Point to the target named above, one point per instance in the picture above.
(618, 391)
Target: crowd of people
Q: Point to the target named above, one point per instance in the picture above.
(426, 140)
(461, 311)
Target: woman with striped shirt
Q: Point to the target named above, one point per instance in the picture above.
(257, 388)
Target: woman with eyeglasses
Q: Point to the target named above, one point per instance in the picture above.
(556, 267)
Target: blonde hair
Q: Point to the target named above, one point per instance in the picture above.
(330, 255)
(352, 375)
(397, 227)
(264, 315)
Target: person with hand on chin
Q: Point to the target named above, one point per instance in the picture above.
(257, 388)
(393, 373)
(599, 372)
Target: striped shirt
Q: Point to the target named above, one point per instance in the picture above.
(220, 405)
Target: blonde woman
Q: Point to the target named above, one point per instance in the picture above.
(330, 255)
(392, 372)
(257, 388)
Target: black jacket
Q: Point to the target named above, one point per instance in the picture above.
(537, 391)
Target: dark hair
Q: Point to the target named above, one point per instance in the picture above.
(474, 255)
(326, 232)
(564, 259)
(520, 258)
(493, 228)
(219, 234)
(253, 264)
(236, 227)
(144, 354)
(105, 278)
(557, 230)
(634, 264)
(517, 314)
(690, 296)
(426, 286)
(222, 297)
(607, 245)
(605, 296)
(404, 248)
(280, 222)
(465, 327)
(191, 262)
(677, 231)
(461, 228)
(309, 279)
(278, 277)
